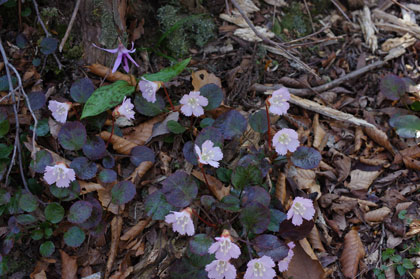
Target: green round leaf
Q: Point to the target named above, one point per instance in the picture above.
(74, 237)
(140, 154)
(123, 192)
(108, 161)
(79, 212)
(107, 176)
(147, 108)
(43, 158)
(214, 95)
(306, 157)
(54, 212)
(84, 168)
(276, 217)
(156, 206)
(48, 45)
(81, 90)
(28, 202)
(37, 234)
(206, 122)
(5, 151)
(231, 124)
(26, 219)
(255, 217)
(199, 244)
(47, 248)
(180, 189)
(175, 127)
(42, 129)
(392, 87)
(258, 121)
(95, 217)
(407, 126)
(230, 203)
(95, 148)
(72, 135)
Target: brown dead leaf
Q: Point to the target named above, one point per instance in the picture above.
(303, 267)
(353, 252)
(281, 188)
(304, 243)
(116, 226)
(141, 133)
(165, 159)
(41, 265)
(361, 180)
(377, 215)
(119, 144)
(358, 136)
(140, 249)
(414, 228)
(215, 185)
(136, 29)
(306, 180)
(105, 72)
(68, 266)
(202, 77)
(104, 197)
(121, 274)
(40, 275)
(320, 136)
(343, 166)
(135, 230)
(380, 138)
(140, 171)
(315, 240)
(87, 187)
(411, 163)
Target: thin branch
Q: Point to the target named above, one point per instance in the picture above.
(73, 17)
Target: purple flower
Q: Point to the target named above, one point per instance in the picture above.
(278, 101)
(125, 109)
(148, 89)
(122, 56)
(284, 263)
(224, 248)
(219, 269)
(301, 209)
(193, 103)
(59, 110)
(181, 221)
(261, 268)
(284, 140)
(209, 154)
(59, 174)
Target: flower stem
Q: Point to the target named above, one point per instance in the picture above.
(204, 221)
(112, 132)
(204, 174)
(268, 125)
(169, 98)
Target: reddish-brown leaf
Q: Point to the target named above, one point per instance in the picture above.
(303, 267)
(353, 252)
(216, 187)
(119, 144)
(116, 226)
(68, 266)
(141, 133)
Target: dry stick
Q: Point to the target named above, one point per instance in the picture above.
(324, 87)
(267, 40)
(38, 15)
(73, 17)
(340, 10)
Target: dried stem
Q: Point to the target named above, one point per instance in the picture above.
(70, 26)
(204, 174)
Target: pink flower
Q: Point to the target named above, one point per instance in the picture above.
(59, 174)
(125, 109)
(181, 221)
(59, 110)
(261, 268)
(224, 248)
(219, 269)
(122, 56)
(148, 89)
(278, 101)
(284, 263)
(193, 103)
(285, 139)
(301, 209)
(209, 154)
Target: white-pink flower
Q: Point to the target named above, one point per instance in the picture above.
(148, 89)
(181, 221)
(209, 154)
(284, 263)
(301, 209)
(125, 109)
(278, 101)
(219, 269)
(123, 54)
(285, 140)
(193, 103)
(224, 248)
(59, 110)
(261, 268)
(59, 174)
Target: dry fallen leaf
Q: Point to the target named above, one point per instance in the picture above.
(281, 188)
(68, 266)
(304, 243)
(411, 163)
(303, 267)
(315, 240)
(320, 136)
(116, 226)
(40, 266)
(216, 187)
(361, 180)
(119, 144)
(377, 215)
(202, 77)
(249, 35)
(87, 187)
(105, 72)
(135, 230)
(141, 133)
(353, 252)
(380, 138)
(104, 197)
(40, 275)
(414, 228)
(140, 171)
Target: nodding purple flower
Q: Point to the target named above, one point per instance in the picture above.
(285, 140)
(301, 209)
(220, 269)
(260, 268)
(181, 221)
(278, 101)
(284, 263)
(123, 55)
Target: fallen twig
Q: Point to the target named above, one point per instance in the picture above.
(70, 26)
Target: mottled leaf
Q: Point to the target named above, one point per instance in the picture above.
(72, 135)
(123, 192)
(258, 121)
(392, 87)
(95, 148)
(231, 124)
(255, 217)
(79, 212)
(306, 157)
(156, 206)
(81, 90)
(84, 168)
(214, 95)
(180, 189)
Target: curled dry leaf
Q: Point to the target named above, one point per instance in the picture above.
(411, 163)
(320, 136)
(141, 133)
(353, 252)
(302, 266)
(68, 266)
(216, 186)
(361, 180)
(87, 187)
(281, 188)
(377, 215)
(403, 206)
(380, 138)
(165, 159)
(105, 72)
(116, 226)
(343, 165)
(358, 136)
(305, 180)
(140, 171)
(202, 77)
(414, 228)
(119, 144)
(315, 240)
(135, 230)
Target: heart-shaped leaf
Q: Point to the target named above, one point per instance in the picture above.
(54, 212)
(107, 97)
(148, 108)
(95, 148)
(123, 192)
(48, 45)
(95, 217)
(28, 202)
(156, 206)
(180, 189)
(231, 124)
(230, 203)
(43, 158)
(167, 74)
(407, 126)
(269, 245)
(140, 154)
(36, 100)
(79, 212)
(81, 90)
(47, 248)
(306, 157)
(392, 87)
(74, 237)
(214, 95)
(72, 135)
(255, 217)
(258, 121)
(84, 168)
(189, 153)
(107, 176)
(199, 244)
(209, 133)
(255, 194)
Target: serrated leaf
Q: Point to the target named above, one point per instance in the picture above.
(167, 74)
(199, 244)
(79, 212)
(214, 95)
(392, 87)
(407, 126)
(258, 121)
(255, 217)
(48, 45)
(175, 127)
(123, 192)
(156, 206)
(47, 248)
(74, 237)
(107, 97)
(81, 90)
(180, 189)
(306, 157)
(72, 135)
(231, 124)
(54, 212)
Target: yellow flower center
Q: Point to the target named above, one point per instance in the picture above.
(259, 269)
(284, 139)
(299, 208)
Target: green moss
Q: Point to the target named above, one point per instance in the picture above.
(296, 21)
(74, 53)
